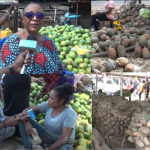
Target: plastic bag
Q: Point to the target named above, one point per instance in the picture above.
(144, 13)
(80, 50)
(136, 68)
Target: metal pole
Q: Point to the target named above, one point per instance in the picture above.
(121, 78)
(16, 19)
(77, 15)
(96, 83)
(55, 16)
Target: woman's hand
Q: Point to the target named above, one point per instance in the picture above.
(43, 92)
(38, 97)
(17, 65)
(11, 8)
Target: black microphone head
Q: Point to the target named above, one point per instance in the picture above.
(31, 37)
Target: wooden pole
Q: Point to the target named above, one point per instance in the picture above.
(16, 19)
(121, 83)
(77, 15)
(96, 83)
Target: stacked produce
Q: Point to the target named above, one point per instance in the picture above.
(35, 90)
(108, 117)
(98, 141)
(74, 46)
(82, 104)
(115, 43)
(139, 131)
(113, 114)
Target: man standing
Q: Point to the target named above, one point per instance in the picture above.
(142, 89)
(147, 89)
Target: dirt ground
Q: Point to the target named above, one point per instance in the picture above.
(142, 64)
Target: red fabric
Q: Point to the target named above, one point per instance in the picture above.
(40, 58)
(51, 81)
(6, 52)
(130, 87)
(49, 45)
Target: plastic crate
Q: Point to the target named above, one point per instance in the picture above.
(73, 19)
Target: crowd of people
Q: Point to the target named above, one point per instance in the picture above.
(131, 87)
(139, 87)
(136, 87)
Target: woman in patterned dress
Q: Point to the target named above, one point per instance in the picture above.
(47, 61)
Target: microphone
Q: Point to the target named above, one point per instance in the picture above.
(29, 44)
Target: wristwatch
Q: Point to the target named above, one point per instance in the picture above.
(11, 69)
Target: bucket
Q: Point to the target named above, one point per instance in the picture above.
(62, 19)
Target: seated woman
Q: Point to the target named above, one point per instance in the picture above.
(47, 61)
(106, 15)
(60, 121)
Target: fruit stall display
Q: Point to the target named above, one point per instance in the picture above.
(127, 49)
(74, 46)
(82, 104)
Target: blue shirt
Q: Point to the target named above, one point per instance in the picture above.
(2, 117)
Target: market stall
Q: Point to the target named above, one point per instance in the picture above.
(81, 103)
(125, 47)
(119, 123)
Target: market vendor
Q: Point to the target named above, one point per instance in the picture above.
(60, 121)
(106, 15)
(7, 125)
(16, 90)
(47, 61)
(142, 89)
(125, 93)
(147, 88)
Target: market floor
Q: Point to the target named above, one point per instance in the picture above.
(11, 144)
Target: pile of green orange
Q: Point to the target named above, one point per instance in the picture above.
(66, 37)
(35, 90)
(82, 104)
